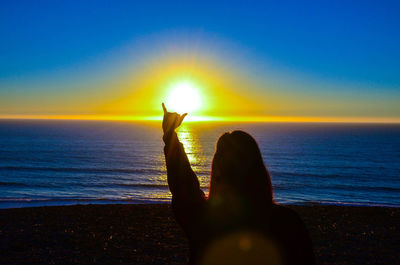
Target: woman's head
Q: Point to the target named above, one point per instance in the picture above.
(238, 170)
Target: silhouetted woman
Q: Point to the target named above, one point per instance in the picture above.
(238, 223)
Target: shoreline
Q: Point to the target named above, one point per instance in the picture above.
(148, 234)
(16, 204)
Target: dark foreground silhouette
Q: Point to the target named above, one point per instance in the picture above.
(149, 235)
(238, 223)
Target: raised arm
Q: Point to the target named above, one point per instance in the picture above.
(182, 181)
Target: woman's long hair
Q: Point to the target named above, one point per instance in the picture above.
(238, 170)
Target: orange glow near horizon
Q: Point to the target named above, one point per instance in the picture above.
(198, 81)
(201, 87)
(189, 118)
(205, 88)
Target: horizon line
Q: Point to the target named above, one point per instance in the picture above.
(261, 119)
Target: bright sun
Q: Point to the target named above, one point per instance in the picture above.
(183, 97)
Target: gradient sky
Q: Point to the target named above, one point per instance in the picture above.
(287, 59)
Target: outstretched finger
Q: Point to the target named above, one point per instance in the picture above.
(164, 108)
(183, 116)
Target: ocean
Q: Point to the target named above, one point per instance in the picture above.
(61, 162)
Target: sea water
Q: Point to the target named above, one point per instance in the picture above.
(68, 162)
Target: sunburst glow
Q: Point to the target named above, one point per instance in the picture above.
(184, 97)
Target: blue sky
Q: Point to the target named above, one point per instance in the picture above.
(355, 43)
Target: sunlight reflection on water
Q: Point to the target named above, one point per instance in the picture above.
(68, 162)
(194, 150)
(191, 144)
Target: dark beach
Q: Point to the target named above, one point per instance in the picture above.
(148, 234)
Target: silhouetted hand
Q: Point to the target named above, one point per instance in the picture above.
(171, 120)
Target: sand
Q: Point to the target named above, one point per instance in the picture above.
(148, 234)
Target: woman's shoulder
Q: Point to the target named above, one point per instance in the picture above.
(283, 210)
(283, 215)
(289, 229)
